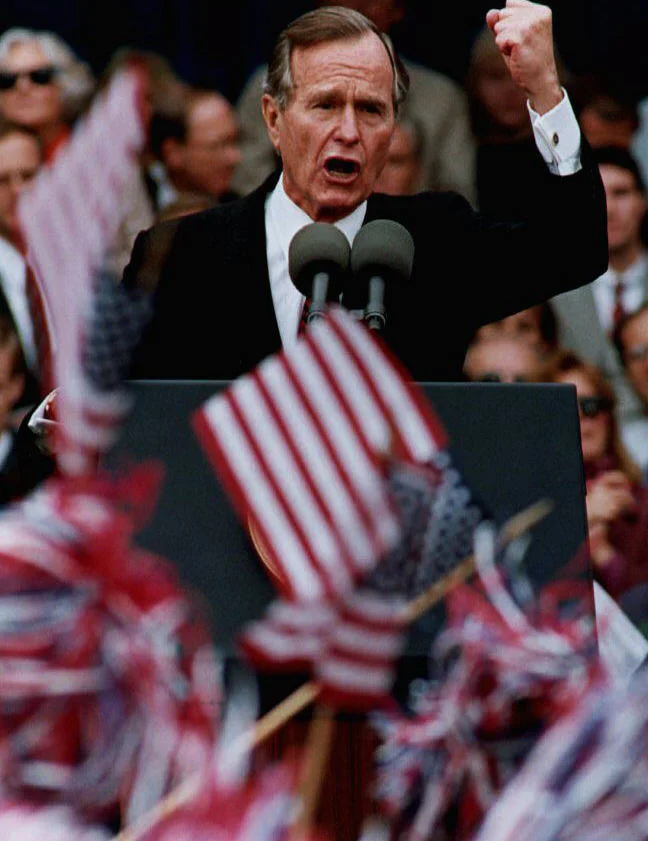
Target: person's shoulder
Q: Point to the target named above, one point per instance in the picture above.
(423, 205)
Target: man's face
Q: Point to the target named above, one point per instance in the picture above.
(27, 103)
(502, 360)
(635, 353)
(206, 161)
(20, 159)
(333, 135)
(625, 207)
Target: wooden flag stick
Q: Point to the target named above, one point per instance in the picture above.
(320, 736)
(278, 716)
(512, 529)
(176, 799)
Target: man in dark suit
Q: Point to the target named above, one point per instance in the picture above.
(223, 298)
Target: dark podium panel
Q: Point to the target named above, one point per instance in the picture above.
(514, 445)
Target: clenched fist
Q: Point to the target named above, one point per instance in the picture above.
(523, 33)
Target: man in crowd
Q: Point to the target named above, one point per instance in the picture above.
(197, 148)
(20, 160)
(401, 173)
(502, 359)
(631, 340)
(436, 103)
(588, 316)
(224, 299)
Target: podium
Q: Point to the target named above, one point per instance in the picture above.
(514, 444)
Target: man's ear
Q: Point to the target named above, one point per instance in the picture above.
(172, 153)
(271, 115)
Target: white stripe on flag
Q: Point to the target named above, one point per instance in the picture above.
(324, 473)
(421, 443)
(293, 487)
(353, 679)
(285, 543)
(363, 641)
(364, 472)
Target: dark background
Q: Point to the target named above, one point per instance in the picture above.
(218, 44)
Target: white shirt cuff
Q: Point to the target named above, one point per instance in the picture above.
(558, 137)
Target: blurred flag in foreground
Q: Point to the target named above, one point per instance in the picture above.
(68, 219)
(301, 445)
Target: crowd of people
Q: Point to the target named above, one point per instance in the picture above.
(478, 141)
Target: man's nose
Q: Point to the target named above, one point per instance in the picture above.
(348, 126)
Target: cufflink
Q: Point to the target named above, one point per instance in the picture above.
(555, 138)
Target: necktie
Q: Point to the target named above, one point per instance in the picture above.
(41, 331)
(42, 337)
(618, 310)
(303, 319)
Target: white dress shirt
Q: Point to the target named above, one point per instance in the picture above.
(557, 136)
(13, 277)
(633, 294)
(283, 218)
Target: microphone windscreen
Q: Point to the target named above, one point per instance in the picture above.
(383, 246)
(318, 247)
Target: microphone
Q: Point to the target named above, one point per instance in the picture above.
(318, 258)
(383, 253)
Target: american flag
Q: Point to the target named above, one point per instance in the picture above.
(291, 636)
(586, 778)
(68, 218)
(301, 445)
(23, 821)
(358, 664)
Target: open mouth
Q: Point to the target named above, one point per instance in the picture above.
(342, 167)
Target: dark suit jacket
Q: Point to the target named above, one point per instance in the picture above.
(214, 316)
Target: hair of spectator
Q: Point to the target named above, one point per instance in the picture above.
(74, 79)
(171, 120)
(323, 25)
(621, 158)
(548, 325)
(10, 342)
(566, 362)
(617, 336)
(611, 99)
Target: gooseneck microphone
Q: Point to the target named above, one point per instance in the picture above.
(318, 258)
(383, 253)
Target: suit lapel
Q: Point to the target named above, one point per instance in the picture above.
(248, 258)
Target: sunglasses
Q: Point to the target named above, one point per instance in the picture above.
(591, 407)
(40, 76)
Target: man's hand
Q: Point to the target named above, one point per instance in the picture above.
(608, 497)
(523, 33)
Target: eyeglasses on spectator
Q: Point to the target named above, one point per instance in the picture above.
(39, 76)
(592, 407)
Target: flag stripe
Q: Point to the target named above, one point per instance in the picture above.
(232, 455)
(329, 475)
(422, 433)
(344, 425)
(285, 472)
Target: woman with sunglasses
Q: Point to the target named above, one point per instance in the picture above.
(616, 501)
(43, 85)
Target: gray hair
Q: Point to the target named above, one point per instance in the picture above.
(329, 23)
(74, 79)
